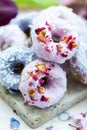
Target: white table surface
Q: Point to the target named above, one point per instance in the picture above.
(6, 113)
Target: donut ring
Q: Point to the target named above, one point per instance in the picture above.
(11, 35)
(12, 61)
(54, 39)
(42, 83)
(78, 64)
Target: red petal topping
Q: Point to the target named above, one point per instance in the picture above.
(38, 30)
(44, 99)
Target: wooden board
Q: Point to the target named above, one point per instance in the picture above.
(35, 117)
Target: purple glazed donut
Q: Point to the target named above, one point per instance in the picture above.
(42, 83)
(78, 64)
(11, 35)
(57, 32)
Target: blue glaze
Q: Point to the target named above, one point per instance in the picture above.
(8, 59)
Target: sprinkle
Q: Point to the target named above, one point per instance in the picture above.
(52, 66)
(30, 84)
(38, 30)
(59, 47)
(49, 69)
(46, 73)
(34, 76)
(14, 124)
(30, 74)
(41, 81)
(33, 99)
(64, 54)
(63, 38)
(66, 38)
(48, 38)
(26, 103)
(69, 40)
(72, 45)
(14, 111)
(41, 67)
(44, 99)
(41, 36)
(41, 89)
(47, 49)
(31, 92)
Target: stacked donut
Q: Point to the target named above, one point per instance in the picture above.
(58, 37)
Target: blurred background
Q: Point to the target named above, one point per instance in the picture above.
(10, 8)
(79, 6)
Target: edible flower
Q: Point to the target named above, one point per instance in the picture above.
(41, 89)
(44, 99)
(31, 92)
(14, 124)
(41, 67)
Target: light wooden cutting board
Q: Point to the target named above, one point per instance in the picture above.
(35, 117)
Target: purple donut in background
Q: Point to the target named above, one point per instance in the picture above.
(8, 10)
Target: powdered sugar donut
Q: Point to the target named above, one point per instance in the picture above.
(54, 34)
(78, 64)
(42, 83)
(11, 35)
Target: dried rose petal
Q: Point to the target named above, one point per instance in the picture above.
(79, 121)
(38, 30)
(44, 99)
(41, 67)
(31, 92)
(8, 10)
(26, 103)
(41, 89)
(59, 47)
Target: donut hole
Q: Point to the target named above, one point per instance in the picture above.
(56, 38)
(17, 68)
(44, 81)
(13, 91)
(51, 84)
(27, 31)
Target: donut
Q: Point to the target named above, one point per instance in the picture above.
(66, 67)
(42, 83)
(54, 35)
(78, 64)
(25, 20)
(11, 35)
(12, 61)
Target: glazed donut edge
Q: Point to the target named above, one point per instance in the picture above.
(42, 83)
